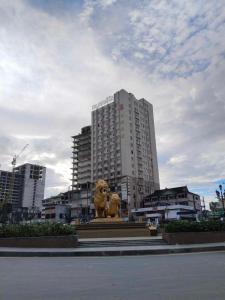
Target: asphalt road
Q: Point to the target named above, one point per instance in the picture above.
(180, 276)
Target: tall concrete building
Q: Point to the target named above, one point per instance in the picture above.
(124, 147)
(10, 188)
(33, 184)
(24, 187)
(81, 171)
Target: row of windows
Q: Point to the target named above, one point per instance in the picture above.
(106, 163)
(106, 174)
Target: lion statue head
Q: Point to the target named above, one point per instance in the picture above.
(100, 198)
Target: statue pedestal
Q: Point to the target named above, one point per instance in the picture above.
(111, 228)
(106, 220)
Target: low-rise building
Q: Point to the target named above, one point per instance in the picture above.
(56, 209)
(80, 208)
(169, 204)
(173, 196)
(163, 213)
(59, 213)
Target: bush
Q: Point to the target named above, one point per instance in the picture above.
(186, 226)
(35, 230)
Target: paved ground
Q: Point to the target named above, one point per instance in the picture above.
(122, 242)
(180, 276)
(112, 248)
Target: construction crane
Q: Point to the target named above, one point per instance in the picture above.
(8, 196)
(15, 157)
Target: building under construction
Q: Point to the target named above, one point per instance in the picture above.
(24, 186)
(81, 170)
(10, 188)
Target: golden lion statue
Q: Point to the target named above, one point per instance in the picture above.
(100, 199)
(103, 207)
(113, 209)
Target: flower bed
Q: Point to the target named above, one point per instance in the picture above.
(38, 235)
(184, 232)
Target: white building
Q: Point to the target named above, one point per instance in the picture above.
(33, 184)
(165, 213)
(124, 148)
(170, 204)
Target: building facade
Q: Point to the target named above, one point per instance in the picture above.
(173, 196)
(33, 184)
(123, 147)
(10, 188)
(24, 187)
(165, 213)
(170, 204)
(56, 209)
(81, 171)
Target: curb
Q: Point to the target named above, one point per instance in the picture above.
(99, 252)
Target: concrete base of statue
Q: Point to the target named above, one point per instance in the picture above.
(111, 228)
(107, 220)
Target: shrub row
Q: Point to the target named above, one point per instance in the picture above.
(35, 230)
(186, 226)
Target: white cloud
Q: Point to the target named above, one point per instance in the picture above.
(54, 68)
(106, 3)
(176, 160)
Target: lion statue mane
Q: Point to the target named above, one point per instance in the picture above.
(100, 198)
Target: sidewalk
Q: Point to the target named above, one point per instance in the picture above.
(110, 251)
(159, 237)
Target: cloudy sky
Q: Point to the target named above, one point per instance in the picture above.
(59, 57)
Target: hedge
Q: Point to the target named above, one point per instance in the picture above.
(186, 226)
(35, 230)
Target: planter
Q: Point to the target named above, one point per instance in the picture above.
(194, 237)
(64, 241)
